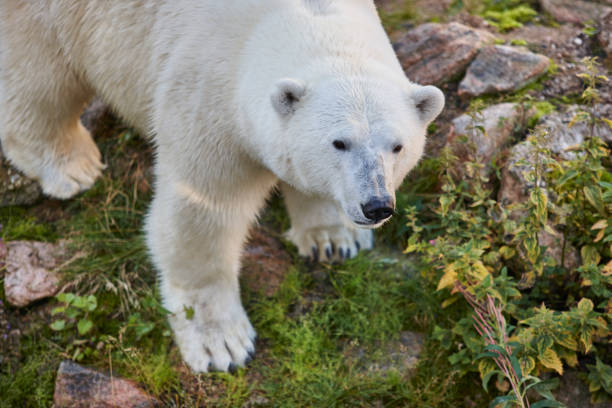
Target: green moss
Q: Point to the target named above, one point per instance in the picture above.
(517, 42)
(538, 110)
(509, 18)
(18, 224)
(394, 20)
(31, 383)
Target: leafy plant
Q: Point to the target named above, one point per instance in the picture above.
(558, 312)
(76, 313)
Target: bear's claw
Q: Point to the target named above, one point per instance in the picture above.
(332, 244)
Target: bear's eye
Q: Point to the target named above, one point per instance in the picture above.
(397, 148)
(339, 144)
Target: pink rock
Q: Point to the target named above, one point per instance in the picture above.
(81, 387)
(434, 53)
(30, 273)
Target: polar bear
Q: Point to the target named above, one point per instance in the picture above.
(237, 96)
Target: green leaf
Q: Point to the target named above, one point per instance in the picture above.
(527, 364)
(72, 312)
(189, 312)
(66, 297)
(585, 305)
(593, 196)
(516, 367)
(80, 302)
(58, 325)
(84, 326)
(547, 403)
(590, 255)
(92, 303)
(59, 309)
(502, 400)
(550, 359)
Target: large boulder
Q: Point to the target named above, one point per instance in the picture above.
(435, 53)
(500, 68)
(562, 136)
(497, 121)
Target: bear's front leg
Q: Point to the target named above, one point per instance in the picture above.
(319, 228)
(195, 241)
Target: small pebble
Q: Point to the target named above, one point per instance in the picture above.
(577, 41)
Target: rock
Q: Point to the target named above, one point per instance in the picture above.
(30, 271)
(500, 68)
(574, 11)
(554, 249)
(605, 34)
(434, 53)
(563, 137)
(574, 393)
(265, 263)
(514, 188)
(80, 387)
(15, 188)
(400, 355)
(497, 120)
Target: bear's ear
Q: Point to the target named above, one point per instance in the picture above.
(287, 95)
(428, 100)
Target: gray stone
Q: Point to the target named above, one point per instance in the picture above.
(501, 68)
(81, 387)
(554, 249)
(605, 34)
(399, 356)
(562, 137)
(498, 122)
(514, 187)
(574, 11)
(434, 53)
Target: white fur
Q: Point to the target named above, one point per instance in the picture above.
(235, 94)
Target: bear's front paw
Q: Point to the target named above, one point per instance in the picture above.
(214, 336)
(331, 243)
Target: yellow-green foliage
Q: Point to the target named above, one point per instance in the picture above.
(509, 19)
(558, 313)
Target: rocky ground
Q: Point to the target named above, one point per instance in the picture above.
(525, 74)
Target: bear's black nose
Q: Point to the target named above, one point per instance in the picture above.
(377, 209)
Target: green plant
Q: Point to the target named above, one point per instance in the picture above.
(474, 247)
(508, 19)
(76, 313)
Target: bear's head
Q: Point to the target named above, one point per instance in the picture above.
(352, 140)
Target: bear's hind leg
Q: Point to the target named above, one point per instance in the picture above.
(318, 229)
(41, 100)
